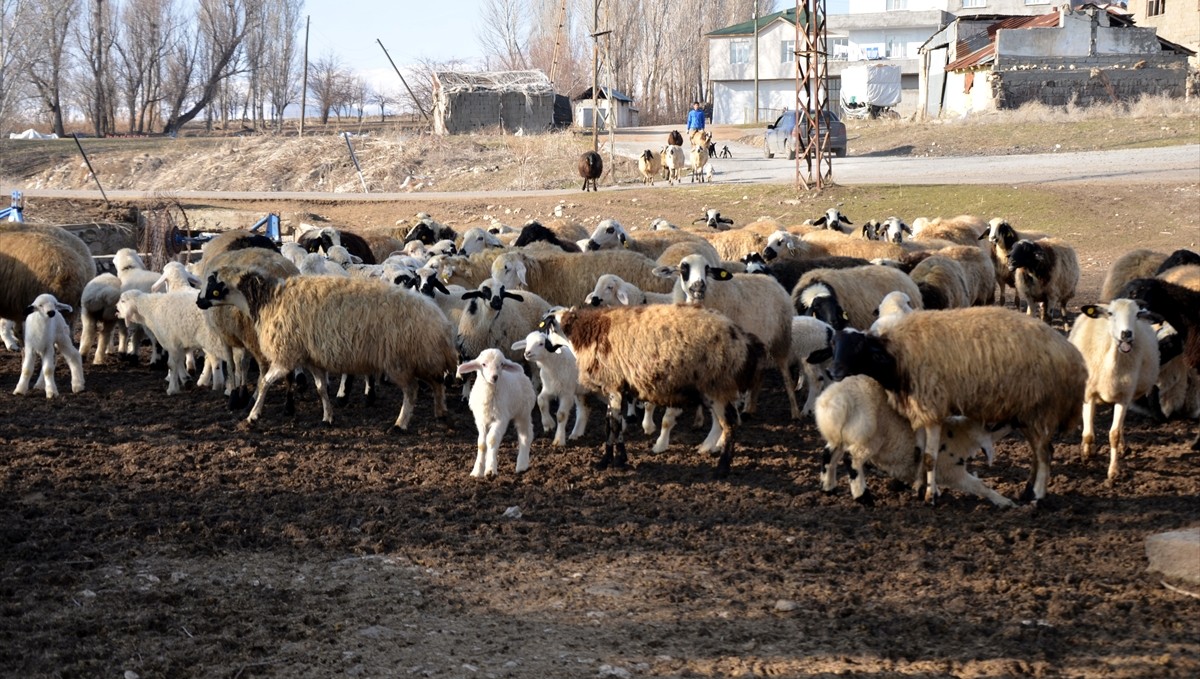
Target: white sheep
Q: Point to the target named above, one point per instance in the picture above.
(893, 229)
(674, 160)
(649, 166)
(1014, 369)
(135, 276)
(812, 354)
(99, 316)
(496, 318)
(850, 297)
(895, 305)
(179, 325)
(340, 326)
(612, 290)
(294, 252)
(317, 264)
(8, 334)
(477, 239)
(501, 394)
(563, 278)
(854, 417)
(45, 331)
(1121, 352)
(757, 303)
(559, 372)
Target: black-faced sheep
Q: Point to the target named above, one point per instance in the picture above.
(591, 166)
(1002, 237)
(327, 237)
(534, 232)
(46, 330)
(501, 394)
(669, 355)
(428, 231)
(833, 219)
(340, 326)
(1014, 370)
(849, 297)
(1046, 274)
(1121, 352)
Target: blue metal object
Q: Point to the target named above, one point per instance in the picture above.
(272, 223)
(16, 211)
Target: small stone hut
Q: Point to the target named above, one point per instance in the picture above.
(511, 100)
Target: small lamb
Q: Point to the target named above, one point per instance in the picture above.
(560, 380)
(501, 394)
(46, 330)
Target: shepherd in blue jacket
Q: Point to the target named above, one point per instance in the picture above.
(695, 118)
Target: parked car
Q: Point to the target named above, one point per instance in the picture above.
(781, 136)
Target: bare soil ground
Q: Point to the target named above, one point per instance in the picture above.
(157, 535)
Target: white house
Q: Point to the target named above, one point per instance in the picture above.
(890, 30)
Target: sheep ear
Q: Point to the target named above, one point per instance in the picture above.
(159, 284)
(1150, 316)
(355, 259)
(719, 274)
(509, 366)
(1094, 311)
(473, 294)
(29, 309)
(623, 297)
(193, 279)
(468, 367)
(511, 295)
(819, 221)
(664, 271)
(820, 356)
(624, 240)
(845, 219)
(519, 345)
(437, 285)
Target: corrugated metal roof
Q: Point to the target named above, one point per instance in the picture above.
(987, 53)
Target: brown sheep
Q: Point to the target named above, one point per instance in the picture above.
(591, 166)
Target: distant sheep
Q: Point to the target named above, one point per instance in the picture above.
(1015, 370)
(500, 395)
(674, 160)
(1121, 352)
(833, 219)
(591, 166)
(649, 166)
(46, 331)
(713, 220)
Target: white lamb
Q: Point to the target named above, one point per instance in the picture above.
(894, 306)
(812, 351)
(560, 380)
(500, 395)
(46, 330)
(8, 334)
(179, 325)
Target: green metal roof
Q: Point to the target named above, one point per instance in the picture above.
(747, 27)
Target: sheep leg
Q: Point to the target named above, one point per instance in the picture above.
(933, 442)
(86, 336)
(75, 362)
(614, 443)
(1089, 430)
(370, 389)
(48, 374)
(858, 478)
(271, 376)
(958, 477)
(1039, 474)
(668, 425)
(563, 412)
(543, 402)
(525, 437)
(495, 433)
(481, 426)
(321, 382)
(409, 390)
(648, 420)
(726, 415)
(716, 433)
(829, 464)
(791, 393)
(27, 366)
(342, 399)
(581, 417)
(1116, 441)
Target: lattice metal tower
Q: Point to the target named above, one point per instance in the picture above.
(814, 162)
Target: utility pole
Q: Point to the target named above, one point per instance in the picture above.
(755, 60)
(304, 87)
(596, 75)
(812, 79)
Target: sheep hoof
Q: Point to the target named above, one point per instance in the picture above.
(395, 430)
(341, 401)
(604, 461)
(866, 499)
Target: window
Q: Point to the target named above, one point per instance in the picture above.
(1155, 7)
(896, 4)
(739, 52)
(1037, 2)
(838, 48)
(787, 51)
(896, 48)
(972, 4)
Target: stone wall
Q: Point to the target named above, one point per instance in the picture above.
(1088, 80)
(471, 111)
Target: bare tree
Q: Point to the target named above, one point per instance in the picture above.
(147, 29)
(221, 30)
(327, 82)
(49, 25)
(281, 63)
(14, 56)
(421, 82)
(358, 94)
(504, 33)
(381, 99)
(94, 40)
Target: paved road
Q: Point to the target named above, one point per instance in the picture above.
(748, 166)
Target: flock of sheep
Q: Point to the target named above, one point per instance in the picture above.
(671, 161)
(909, 358)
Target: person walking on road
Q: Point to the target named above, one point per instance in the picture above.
(695, 121)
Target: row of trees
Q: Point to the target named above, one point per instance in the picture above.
(145, 66)
(655, 51)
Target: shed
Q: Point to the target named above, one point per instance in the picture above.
(607, 101)
(511, 100)
(1083, 55)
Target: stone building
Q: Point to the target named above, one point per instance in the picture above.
(510, 100)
